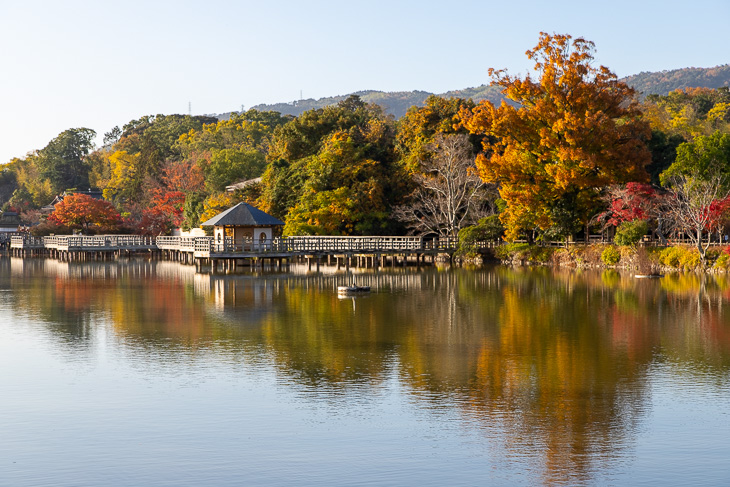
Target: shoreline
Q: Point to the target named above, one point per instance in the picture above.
(644, 261)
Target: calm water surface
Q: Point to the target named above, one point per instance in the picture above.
(145, 373)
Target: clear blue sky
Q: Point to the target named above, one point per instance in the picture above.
(97, 64)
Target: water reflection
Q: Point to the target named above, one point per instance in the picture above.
(551, 364)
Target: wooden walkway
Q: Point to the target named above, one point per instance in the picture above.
(81, 247)
(341, 251)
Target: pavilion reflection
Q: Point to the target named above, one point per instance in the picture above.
(556, 361)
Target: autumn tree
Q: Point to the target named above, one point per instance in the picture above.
(447, 194)
(420, 125)
(137, 158)
(83, 212)
(689, 112)
(562, 136)
(227, 152)
(33, 190)
(630, 202)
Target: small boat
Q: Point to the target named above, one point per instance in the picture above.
(354, 289)
(648, 276)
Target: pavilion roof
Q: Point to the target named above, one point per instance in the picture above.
(243, 215)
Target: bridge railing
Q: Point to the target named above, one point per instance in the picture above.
(26, 242)
(183, 244)
(290, 245)
(97, 242)
(317, 244)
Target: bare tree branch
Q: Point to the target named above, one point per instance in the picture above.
(690, 207)
(449, 189)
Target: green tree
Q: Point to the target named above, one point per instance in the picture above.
(63, 160)
(228, 166)
(334, 170)
(703, 158)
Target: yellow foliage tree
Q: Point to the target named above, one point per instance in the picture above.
(123, 182)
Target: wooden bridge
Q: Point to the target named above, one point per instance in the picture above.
(80, 247)
(342, 251)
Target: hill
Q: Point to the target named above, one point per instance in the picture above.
(662, 82)
(397, 103)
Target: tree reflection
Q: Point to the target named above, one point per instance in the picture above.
(555, 361)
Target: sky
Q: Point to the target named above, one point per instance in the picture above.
(99, 64)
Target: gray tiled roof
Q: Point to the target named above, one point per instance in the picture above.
(243, 214)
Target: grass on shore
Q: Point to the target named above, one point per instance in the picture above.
(680, 257)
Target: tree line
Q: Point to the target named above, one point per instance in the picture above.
(572, 150)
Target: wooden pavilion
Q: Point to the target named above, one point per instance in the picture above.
(245, 224)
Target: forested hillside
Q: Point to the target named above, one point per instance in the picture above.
(448, 163)
(664, 82)
(397, 103)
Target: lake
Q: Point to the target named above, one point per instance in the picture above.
(145, 373)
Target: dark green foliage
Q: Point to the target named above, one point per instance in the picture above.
(192, 209)
(663, 149)
(8, 184)
(486, 230)
(63, 162)
(566, 218)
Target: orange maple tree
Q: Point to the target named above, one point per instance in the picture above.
(572, 130)
(83, 212)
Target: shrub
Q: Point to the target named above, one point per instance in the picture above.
(670, 257)
(723, 259)
(523, 251)
(511, 250)
(488, 229)
(47, 228)
(540, 254)
(610, 255)
(631, 233)
(686, 257)
(689, 258)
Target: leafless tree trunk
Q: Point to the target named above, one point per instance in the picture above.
(689, 207)
(449, 189)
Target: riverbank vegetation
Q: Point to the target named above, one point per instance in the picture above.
(572, 153)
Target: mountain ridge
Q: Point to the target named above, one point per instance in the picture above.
(397, 103)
